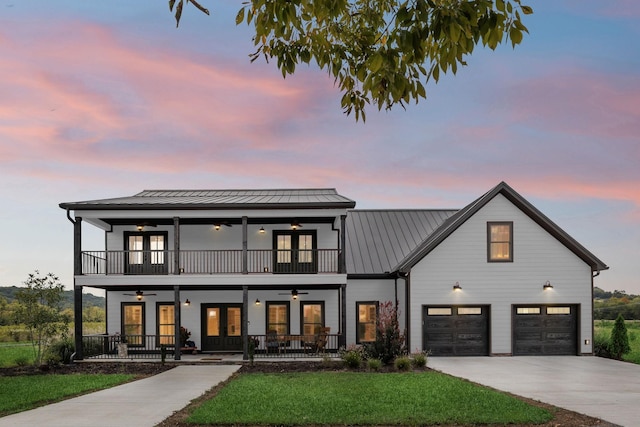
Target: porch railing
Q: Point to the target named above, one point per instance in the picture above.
(102, 346)
(289, 346)
(228, 261)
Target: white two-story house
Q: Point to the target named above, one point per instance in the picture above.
(234, 266)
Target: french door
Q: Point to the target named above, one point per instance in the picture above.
(295, 252)
(145, 253)
(221, 327)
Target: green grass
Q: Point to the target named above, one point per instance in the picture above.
(353, 398)
(633, 331)
(20, 393)
(11, 353)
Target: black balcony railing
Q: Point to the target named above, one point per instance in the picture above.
(211, 262)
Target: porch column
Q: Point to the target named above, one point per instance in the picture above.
(176, 319)
(342, 340)
(245, 323)
(342, 261)
(245, 267)
(77, 318)
(77, 290)
(176, 245)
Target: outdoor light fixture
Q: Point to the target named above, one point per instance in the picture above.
(187, 302)
(547, 285)
(140, 227)
(139, 295)
(261, 230)
(457, 287)
(295, 225)
(294, 294)
(257, 301)
(216, 227)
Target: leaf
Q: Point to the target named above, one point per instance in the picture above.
(202, 9)
(240, 16)
(376, 63)
(178, 13)
(171, 3)
(527, 10)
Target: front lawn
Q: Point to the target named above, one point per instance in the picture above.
(19, 393)
(604, 327)
(355, 398)
(14, 354)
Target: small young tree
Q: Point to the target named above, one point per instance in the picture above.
(390, 342)
(619, 344)
(40, 310)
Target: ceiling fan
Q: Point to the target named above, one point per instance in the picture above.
(294, 293)
(139, 294)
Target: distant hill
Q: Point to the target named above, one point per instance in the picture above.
(88, 300)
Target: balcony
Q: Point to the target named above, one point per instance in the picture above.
(260, 261)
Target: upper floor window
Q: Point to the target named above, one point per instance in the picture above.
(145, 252)
(295, 252)
(500, 241)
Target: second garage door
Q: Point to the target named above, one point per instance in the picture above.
(545, 330)
(456, 330)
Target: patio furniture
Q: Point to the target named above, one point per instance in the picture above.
(319, 343)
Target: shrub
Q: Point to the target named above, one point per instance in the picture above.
(353, 357)
(419, 360)
(390, 342)
(601, 344)
(59, 352)
(619, 344)
(22, 361)
(374, 364)
(402, 363)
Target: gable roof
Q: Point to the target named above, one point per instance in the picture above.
(377, 240)
(467, 212)
(221, 199)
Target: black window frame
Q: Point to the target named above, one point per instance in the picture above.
(268, 304)
(490, 224)
(146, 267)
(322, 316)
(144, 323)
(375, 323)
(158, 337)
(294, 266)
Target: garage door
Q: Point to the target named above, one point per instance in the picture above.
(545, 330)
(456, 330)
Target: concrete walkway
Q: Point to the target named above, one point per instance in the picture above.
(601, 388)
(141, 403)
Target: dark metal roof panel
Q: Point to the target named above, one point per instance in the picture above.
(377, 240)
(221, 199)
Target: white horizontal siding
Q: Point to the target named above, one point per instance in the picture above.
(363, 290)
(538, 257)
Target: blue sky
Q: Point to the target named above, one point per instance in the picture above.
(104, 99)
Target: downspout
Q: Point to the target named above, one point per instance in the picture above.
(593, 314)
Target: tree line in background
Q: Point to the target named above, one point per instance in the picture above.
(608, 305)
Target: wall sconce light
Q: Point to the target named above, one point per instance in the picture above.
(265, 269)
(587, 342)
(257, 301)
(216, 227)
(140, 227)
(181, 270)
(187, 302)
(295, 225)
(457, 287)
(261, 230)
(547, 285)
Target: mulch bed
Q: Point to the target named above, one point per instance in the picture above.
(562, 418)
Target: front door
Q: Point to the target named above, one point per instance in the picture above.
(221, 327)
(145, 253)
(295, 252)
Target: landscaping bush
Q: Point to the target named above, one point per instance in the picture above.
(619, 343)
(601, 344)
(60, 352)
(353, 357)
(22, 361)
(390, 342)
(402, 363)
(374, 364)
(419, 360)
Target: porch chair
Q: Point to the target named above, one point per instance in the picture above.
(271, 342)
(319, 343)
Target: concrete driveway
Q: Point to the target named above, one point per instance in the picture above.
(602, 388)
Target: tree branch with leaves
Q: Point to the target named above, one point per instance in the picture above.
(380, 52)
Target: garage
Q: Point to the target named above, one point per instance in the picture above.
(456, 330)
(545, 330)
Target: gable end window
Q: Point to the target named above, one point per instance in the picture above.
(500, 241)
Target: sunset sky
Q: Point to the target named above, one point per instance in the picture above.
(104, 99)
